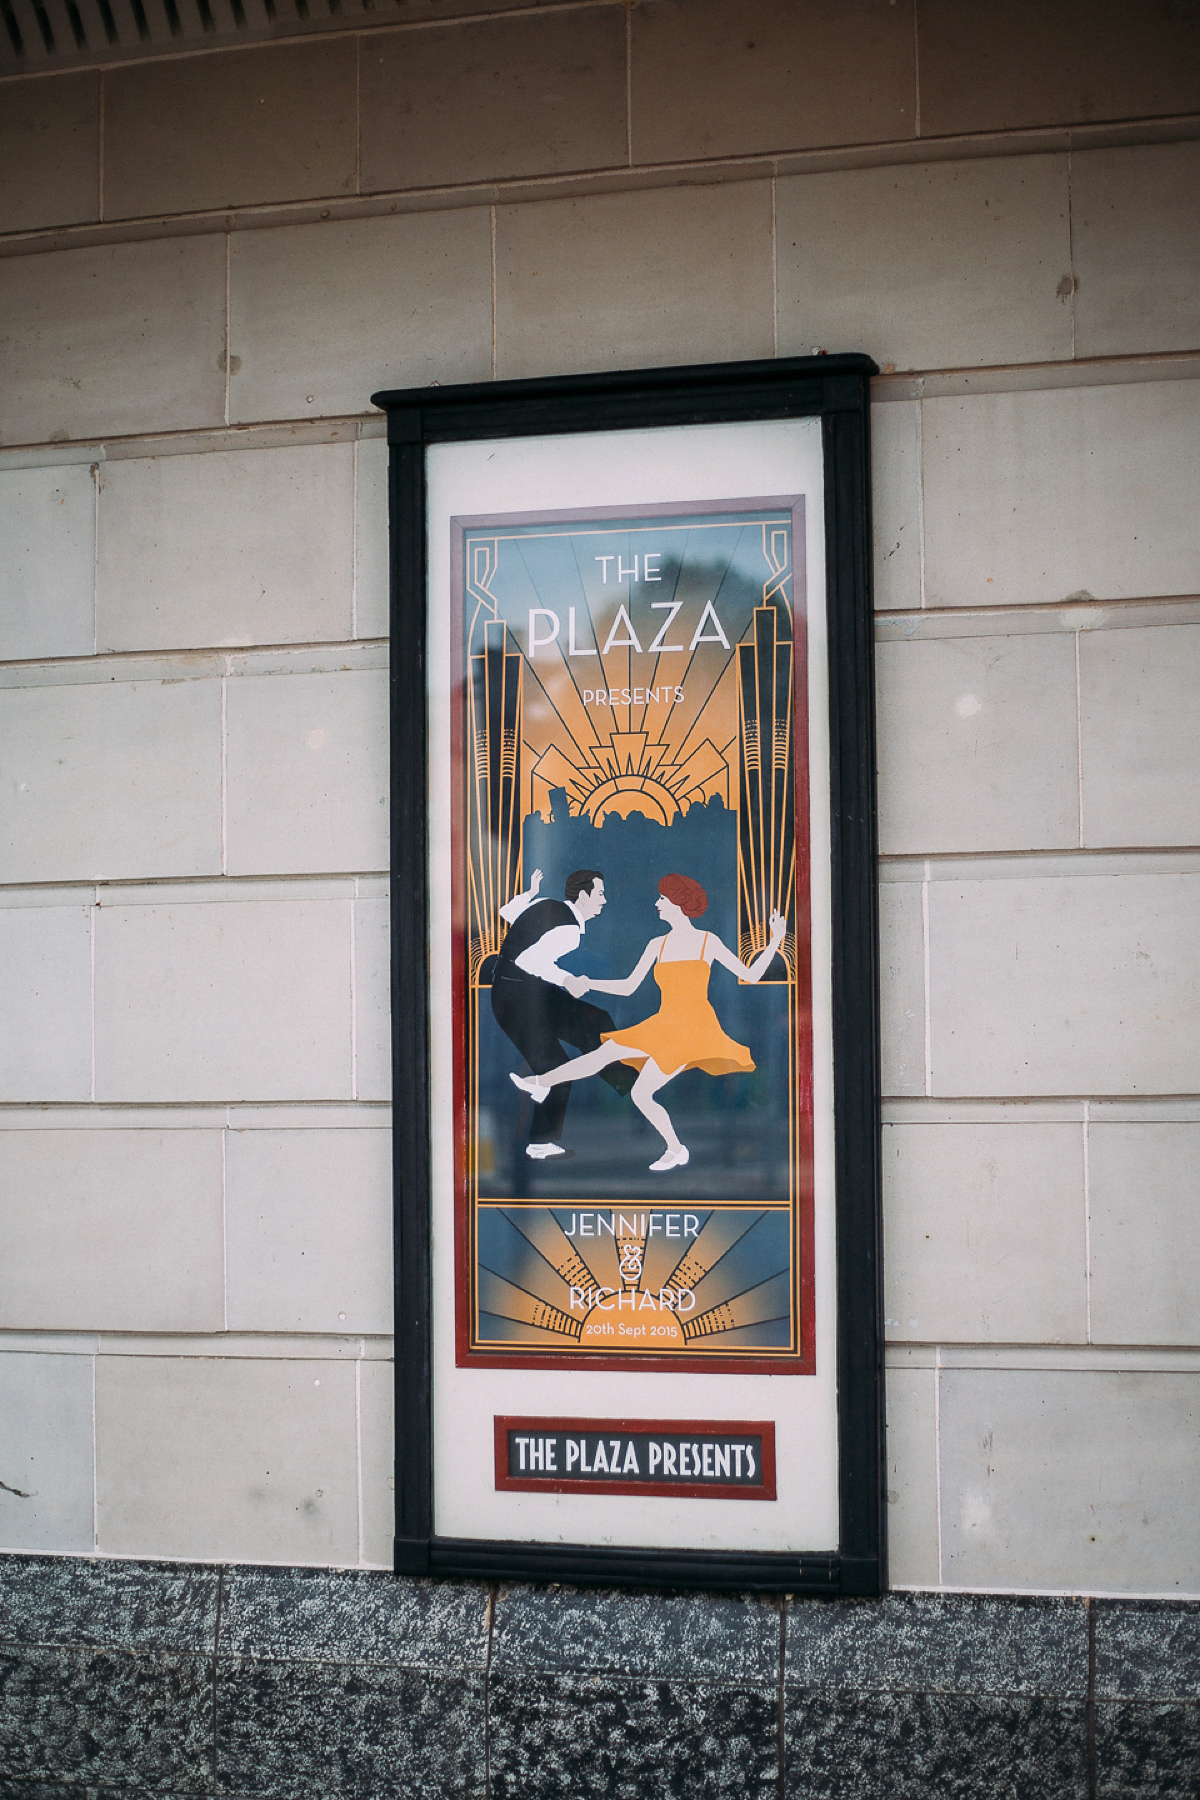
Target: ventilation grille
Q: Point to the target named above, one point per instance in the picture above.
(42, 34)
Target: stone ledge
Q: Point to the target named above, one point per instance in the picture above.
(160, 1680)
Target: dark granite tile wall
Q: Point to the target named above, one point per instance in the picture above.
(160, 1682)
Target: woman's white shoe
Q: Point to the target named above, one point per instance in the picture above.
(529, 1084)
(673, 1159)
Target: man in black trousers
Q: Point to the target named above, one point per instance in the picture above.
(540, 1006)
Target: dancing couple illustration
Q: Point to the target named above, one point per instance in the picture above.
(540, 1006)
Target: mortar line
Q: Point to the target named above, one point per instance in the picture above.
(95, 558)
(629, 84)
(925, 963)
(774, 264)
(916, 72)
(1087, 1212)
(92, 911)
(358, 1446)
(937, 1455)
(1079, 741)
(228, 252)
(358, 112)
(492, 213)
(224, 1227)
(95, 1466)
(100, 149)
(224, 774)
(921, 497)
(354, 993)
(354, 543)
(1071, 239)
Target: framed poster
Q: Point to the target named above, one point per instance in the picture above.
(634, 979)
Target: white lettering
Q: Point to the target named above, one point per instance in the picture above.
(750, 1460)
(647, 1301)
(672, 1224)
(716, 636)
(722, 1455)
(670, 607)
(572, 1453)
(551, 1453)
(691, 1225)
(572, 647)
(577, 1299)
(604, 562)
(687, 1294)
(607, 1305)
(603, 1225)
(623, 573)
(600, 1461)
(666, 1299)
(648, 573)
(537, 643)
(707, 1460)
(668, 1459)
(630, 1465)
(521, 1445)
(655, 1455)
(612, 642)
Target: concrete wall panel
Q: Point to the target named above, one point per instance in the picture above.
(1140, 735)
(1068, 494)
(111, 779)
(233, 548)
(46, 1018)
(1143, 1203)
(309, 1216)
(1077, 1481)
(117, 338)
(1066, 985)
(269, 124)
(985, 1230)
(544, 94)
(280, 1433)
(732, 77)
(1135, 228)
(223, 1000)
(48, 570)
(322, 316)
(307, 773)
(928, 265)
(613, 282)
(112, 1231)
(50, 143)
(977, 745)
(46, 1405)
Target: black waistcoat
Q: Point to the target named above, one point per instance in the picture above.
(537, 919)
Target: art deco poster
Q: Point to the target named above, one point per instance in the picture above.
(631, 1349)
(632, 980)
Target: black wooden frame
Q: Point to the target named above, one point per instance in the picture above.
(835, 389)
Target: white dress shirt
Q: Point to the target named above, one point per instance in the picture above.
(541, 958)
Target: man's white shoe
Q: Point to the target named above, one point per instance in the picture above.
(539, 1152)
(529, 1084)
(674, 1159)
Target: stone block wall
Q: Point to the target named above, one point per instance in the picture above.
(207, 264)
(163, 1680)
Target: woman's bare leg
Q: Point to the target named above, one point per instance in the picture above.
(576, 1068)
(642, 1095)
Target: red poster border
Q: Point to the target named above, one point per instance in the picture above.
(631, 1361)
(678, 1490)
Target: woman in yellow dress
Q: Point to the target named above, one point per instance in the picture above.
(685, 1032)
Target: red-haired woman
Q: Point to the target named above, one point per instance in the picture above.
(685, 1032)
